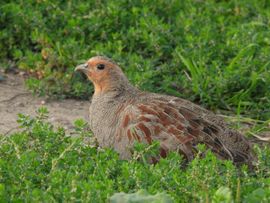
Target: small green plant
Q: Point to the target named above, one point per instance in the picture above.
(139, 197)
(223, 194)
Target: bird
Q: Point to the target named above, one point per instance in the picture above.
(121, 115)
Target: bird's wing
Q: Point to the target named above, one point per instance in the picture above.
(175, 126)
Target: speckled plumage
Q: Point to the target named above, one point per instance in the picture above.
(121, 114)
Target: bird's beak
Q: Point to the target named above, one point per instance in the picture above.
(83, 68)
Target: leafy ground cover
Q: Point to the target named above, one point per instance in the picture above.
(43, 164)
(212, 52)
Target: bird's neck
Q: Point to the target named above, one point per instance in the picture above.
(118, 84)
(113, 88)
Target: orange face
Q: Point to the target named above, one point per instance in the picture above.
(100, 71)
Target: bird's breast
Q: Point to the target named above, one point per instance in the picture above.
(103, 122)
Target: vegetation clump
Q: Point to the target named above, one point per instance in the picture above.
(44, 164)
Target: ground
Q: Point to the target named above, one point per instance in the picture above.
(15, 99)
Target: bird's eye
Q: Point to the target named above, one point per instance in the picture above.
(100, 66)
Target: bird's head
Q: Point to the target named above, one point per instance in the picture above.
(104, 73)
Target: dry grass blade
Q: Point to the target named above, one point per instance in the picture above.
(265, 138)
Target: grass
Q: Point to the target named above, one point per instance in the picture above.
(44, 164)
(215, 53)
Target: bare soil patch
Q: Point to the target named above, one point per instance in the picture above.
(15, 99)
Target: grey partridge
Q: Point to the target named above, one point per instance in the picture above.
(120, 114)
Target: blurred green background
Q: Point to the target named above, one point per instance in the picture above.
(215, 53)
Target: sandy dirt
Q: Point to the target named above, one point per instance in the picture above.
(15, 98)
